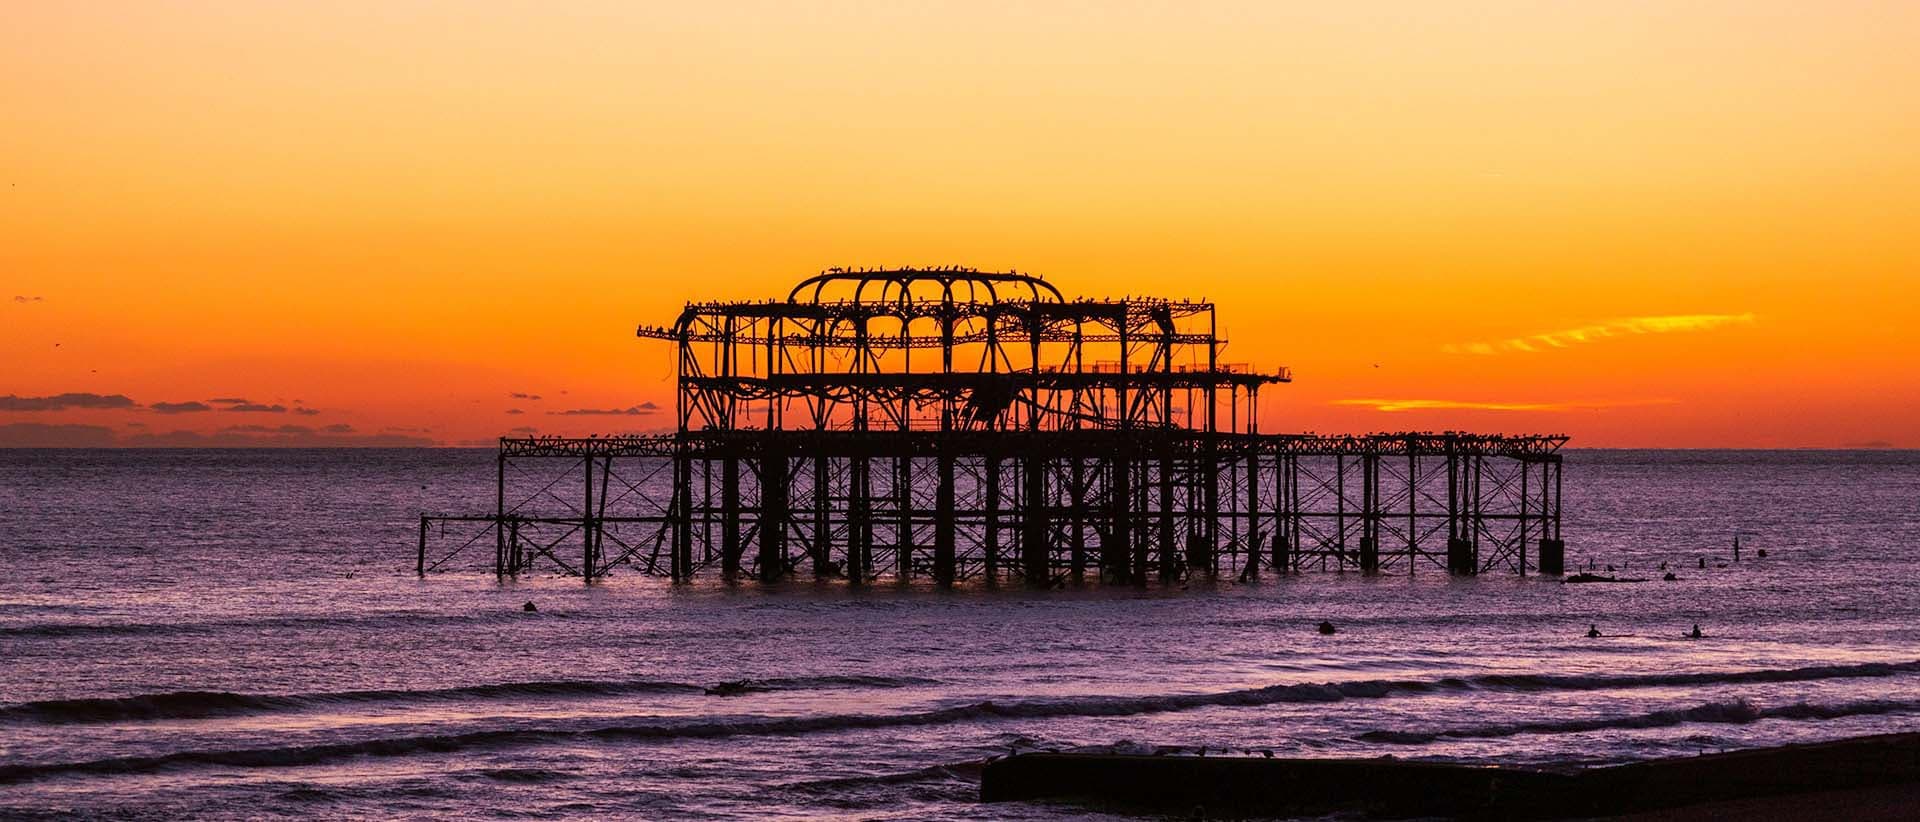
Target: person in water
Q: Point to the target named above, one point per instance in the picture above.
(1696, 632)
(1326, 627)
(1593, 631)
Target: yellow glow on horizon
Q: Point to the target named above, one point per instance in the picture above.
(400, 213)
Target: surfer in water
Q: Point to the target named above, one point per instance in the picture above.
(1593, 630)
(1695, 634)
(1326, 628)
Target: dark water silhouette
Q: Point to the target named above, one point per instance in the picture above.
(237, 633)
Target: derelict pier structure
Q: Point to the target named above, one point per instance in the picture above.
(952, 426)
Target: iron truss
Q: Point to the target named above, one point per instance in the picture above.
(1046, 441)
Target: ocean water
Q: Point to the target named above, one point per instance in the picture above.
(226, 634)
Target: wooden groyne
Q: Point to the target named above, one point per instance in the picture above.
(1393, 788)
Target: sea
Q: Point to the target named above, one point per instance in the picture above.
(220, 634)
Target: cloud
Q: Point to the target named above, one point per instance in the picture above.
(267, 429)
(62, 402)
(307, 412)
(1611, 329)
(336, 428)
(515, 411)
(41, 435)
(338, 435)
(228, 401)
(179, 407)
(630, 411)
(1470, 405)
(24, 299)
(257, 408)
(524, 429)
(1871, 445)
(520, 396)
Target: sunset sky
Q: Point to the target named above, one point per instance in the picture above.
(1685, 224)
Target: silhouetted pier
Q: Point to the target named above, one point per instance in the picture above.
(955, 425)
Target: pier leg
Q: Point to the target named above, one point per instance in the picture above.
(1251, 570)
(822, 525)
(1077, 523)
(1035, 553)
(1116, 552)
(587, 522)
(859, 525)
(990, 495)
(1169, 551)
(1370, 513)
(730, 545)
(772, 563)
(943, 525)
(680, 565)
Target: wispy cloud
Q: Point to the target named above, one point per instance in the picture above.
(180, 407)
(39, 435)
(257, 408)
(631, 411)
(62, 402)
(1392, 405)
(21, 298)
(521, 395)
(1597, 332)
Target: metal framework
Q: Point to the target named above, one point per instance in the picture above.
(955, 425)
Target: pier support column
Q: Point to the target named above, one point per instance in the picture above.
(499, 515)
(1169, 552)
(1553, 557)
(680, 565)
(1250, 570)
(1370, 513)
(730, 545)
(943, 525)
(774, 504)
(990, 504)
(903, 527)
(859, 523)
(1115, 550)
(1077, 523)
(589, 526)
(1035, 553)
(822, 524)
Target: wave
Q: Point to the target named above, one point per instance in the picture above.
(1554, 682)
(284, 622)
(1736, 712)
(206, 704)
(968, 771)
(991, 710)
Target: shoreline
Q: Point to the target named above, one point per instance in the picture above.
(1877, 776)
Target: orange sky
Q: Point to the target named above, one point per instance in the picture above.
(1700, 217)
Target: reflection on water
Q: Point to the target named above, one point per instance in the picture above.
(204, 632)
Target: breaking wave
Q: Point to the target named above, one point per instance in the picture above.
(990, 710)
(1736, 712)
(205, 704)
